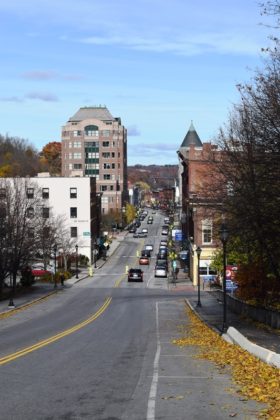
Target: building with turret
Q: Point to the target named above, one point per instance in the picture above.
(198, 216)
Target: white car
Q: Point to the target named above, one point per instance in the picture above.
(160, 271)
(144, 230)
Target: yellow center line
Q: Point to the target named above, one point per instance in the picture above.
(43, 343)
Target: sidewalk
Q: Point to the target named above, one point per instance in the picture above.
(42, 290)
(259, 340)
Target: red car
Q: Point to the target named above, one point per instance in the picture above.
(144, 260)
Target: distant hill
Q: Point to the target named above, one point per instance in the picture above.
(157, 176)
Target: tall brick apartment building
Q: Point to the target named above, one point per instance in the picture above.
(199, 218)
(94, 144)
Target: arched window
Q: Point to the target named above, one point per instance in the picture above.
(91, 131)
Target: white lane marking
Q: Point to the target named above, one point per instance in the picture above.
(154, 384)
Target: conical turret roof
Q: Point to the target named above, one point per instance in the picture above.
(191, 138)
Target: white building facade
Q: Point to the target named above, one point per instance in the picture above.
(71, 198)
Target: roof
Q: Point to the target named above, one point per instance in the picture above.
(97, 112)
(191, 138)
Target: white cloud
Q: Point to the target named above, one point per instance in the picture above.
(46, 97)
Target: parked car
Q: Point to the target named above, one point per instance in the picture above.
(162, 263)
(163, 242)
(135, 274)
(160, 271)
(143, 260)
(164, 232)
(132, 229)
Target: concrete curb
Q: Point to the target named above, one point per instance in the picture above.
(267, 356)
(233, 336)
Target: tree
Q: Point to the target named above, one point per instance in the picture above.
(17, 157)
(248, 184)
(51, 157)
(20, 208)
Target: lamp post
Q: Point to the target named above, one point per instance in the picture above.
(198, 251)
(77, 274)
(11, 300)
(55, 251)
(224, 237)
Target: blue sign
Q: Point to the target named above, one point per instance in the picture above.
(178, 236)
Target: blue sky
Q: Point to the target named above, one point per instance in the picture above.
(157, 64)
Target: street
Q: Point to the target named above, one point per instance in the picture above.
(103, 349)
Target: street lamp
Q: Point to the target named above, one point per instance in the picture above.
(11, 300)
(198, 251)
(77, 274)
(55, 251)
(224, 237)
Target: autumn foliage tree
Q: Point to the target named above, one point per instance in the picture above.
(17, 157)
(51, 157)
(249, 195)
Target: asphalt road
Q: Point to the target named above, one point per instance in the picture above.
(103, 350)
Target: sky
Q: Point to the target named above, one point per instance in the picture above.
(156, 64)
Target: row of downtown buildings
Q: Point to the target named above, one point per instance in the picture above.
(94, 182)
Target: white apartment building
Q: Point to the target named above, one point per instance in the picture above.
(72, 198)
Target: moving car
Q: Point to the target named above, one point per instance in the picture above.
(144, 230)
(145, 253)
(160, 271)
(149, 247)
(143, 260)
(135, 274)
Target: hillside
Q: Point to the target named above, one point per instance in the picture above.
(156, 176)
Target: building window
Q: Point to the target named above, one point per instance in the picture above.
(30, 212)
(77, 166)
(91, 131)
(106, 166)
(206, 232)
(73, 192)
(76, 133)
(113, 154)
(70, 166)
(2, 193)
(73, 212)
(70, 144)
(77, 144)
(106, 133)
(106, 144)
(106, 155)
(46, 212)
(45, 193)
(77, 155)
(103, 188)
(91, 144)
(113, 166)
(74, 232)
(111, 187)
(30, 192)
(106, 176)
